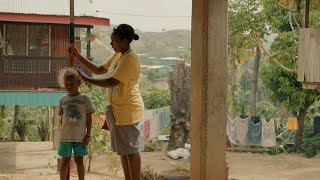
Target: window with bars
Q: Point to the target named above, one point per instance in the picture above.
(27, 40)
(38, 40)
(29, 48)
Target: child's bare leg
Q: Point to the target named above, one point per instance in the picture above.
(80, 166)
(65, 162)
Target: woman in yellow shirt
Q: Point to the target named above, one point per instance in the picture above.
(123, 70)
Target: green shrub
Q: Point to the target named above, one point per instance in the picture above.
(150, 146)
(43, 129)
(166, 130)
(156, 98)
(310, 142)
(148, 173)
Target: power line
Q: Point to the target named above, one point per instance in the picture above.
(140, 15)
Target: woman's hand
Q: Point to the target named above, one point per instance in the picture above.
(73, 50)
(83, 76)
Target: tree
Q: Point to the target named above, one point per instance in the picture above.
(43, 129)
(180, 86)
(245, 20)
(24, 123)
(284, 85)
(285, 19)
(156, 98)
(43, 117)
(15, 122)
(2, 119)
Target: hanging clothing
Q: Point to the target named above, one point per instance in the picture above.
(147, 129)
(231, 129)
(141, 137)
(242, 116)
(316, 124)
(241, 130)
(268, 134)
(254, 131)
(292, 123)
(255, 119)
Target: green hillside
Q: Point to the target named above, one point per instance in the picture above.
(153, 44)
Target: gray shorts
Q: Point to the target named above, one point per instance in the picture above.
(124, 139)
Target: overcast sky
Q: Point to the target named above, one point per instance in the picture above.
(180, 8)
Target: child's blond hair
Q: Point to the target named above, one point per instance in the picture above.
(68, 72)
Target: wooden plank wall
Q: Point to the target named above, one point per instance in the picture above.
(309, 58)
(59, 40)
(2, 36)
(301, 56)
(316, 54)
(27, 72)
(1, 28)
(30, 72)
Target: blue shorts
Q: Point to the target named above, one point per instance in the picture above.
(65, 149)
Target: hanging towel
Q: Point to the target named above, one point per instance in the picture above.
(254, 131)
(268, 135)
(147, 129)
(292, 123)
(231, 130)
(316, 124)
(241, 131)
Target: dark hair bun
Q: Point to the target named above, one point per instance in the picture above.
(136, 37)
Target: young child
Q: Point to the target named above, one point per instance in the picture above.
(75, 111)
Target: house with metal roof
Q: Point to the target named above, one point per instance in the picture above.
(33, 47)
(170, 61)
(155, 72)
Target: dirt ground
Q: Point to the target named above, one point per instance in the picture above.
(35, 161)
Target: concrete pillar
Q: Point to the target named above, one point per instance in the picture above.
(56, 127)
(209, 89)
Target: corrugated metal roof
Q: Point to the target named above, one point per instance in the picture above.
(48, 7)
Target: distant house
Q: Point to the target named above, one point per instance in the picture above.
(33, 47)
(170, 61)
(156, 72)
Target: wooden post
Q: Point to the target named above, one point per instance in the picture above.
(209, 89)
(50, 119)
(56, 126)
(71, 31)
(306, 14)
(72, 42)
(88, 44)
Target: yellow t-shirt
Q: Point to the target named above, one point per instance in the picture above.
(125, 98)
